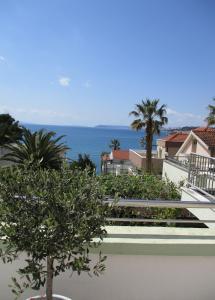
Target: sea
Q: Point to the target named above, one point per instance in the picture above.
(94, 140)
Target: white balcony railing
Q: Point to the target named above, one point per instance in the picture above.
(137, 203)
(201, 173)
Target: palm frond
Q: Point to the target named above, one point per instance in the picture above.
(37, 149)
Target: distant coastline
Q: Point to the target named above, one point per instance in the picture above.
(169, 129)
(183, 128)
(112, 127)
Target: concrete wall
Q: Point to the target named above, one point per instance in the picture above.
(140, 162)
(172, 151)
(157, 165)
(130, 277)
(161, 143)
(161, 148)
(149, 263)
(174, 172)
(136, 159)
(161, 151)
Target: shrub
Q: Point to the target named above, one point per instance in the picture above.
(53, 216)
(148, 187)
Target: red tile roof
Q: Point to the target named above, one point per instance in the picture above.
(121, 154)
(178, 137)
(204, 129)
(207, 135)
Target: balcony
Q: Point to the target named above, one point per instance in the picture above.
(182, 161)
(144, 262)
(202, 174)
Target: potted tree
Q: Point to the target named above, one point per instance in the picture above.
(53, 216)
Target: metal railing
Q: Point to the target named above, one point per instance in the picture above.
(201, 173)
(182, 161)
(116, 168)
(136, 203)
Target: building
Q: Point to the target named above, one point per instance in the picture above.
(117, 162)
(169, 145)
(138, 160)
(129, 162)
(200, 141)
(176, 148)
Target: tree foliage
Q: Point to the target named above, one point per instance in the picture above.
(211, 116)
(147, 187)
(151, 117)
(10, 130)
(53, 216)
(83, 162)
(115, 144)
(37, 149)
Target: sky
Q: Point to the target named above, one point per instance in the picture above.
(88, 62)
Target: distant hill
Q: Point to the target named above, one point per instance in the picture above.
(184, 128)
(112, 126)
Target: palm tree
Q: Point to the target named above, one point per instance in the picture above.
(115, 144)
(152, 118)
(211, 116)
(142, 142)
(83, 162)
(38, 149)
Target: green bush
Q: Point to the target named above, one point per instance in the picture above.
(147, 187)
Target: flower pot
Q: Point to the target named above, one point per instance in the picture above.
(55, 297)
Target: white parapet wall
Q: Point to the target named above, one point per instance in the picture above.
(189, 194)
(143, 263)
(174, 172)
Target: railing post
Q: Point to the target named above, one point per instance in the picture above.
(189, 168)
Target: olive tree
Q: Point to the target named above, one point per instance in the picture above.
(54, 217)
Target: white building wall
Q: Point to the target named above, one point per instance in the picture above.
(199, 149)
(187, 150)
(174, 172)
(202, 150)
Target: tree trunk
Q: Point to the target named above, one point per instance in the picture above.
(49, 281)
(149, 149)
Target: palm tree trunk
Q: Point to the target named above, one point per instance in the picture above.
(49, 281)
(148, 149)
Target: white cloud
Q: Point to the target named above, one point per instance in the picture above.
(64, 81)
(87, 84)
(2, 59)
(42, 112)
(183, 118)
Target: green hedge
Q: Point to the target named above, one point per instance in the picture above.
(146, 187)
(141, 187)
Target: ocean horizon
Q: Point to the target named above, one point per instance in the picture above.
(94, 140)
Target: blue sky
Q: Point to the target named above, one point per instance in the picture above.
(88, 62)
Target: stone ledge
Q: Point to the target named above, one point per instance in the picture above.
(136, 240)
